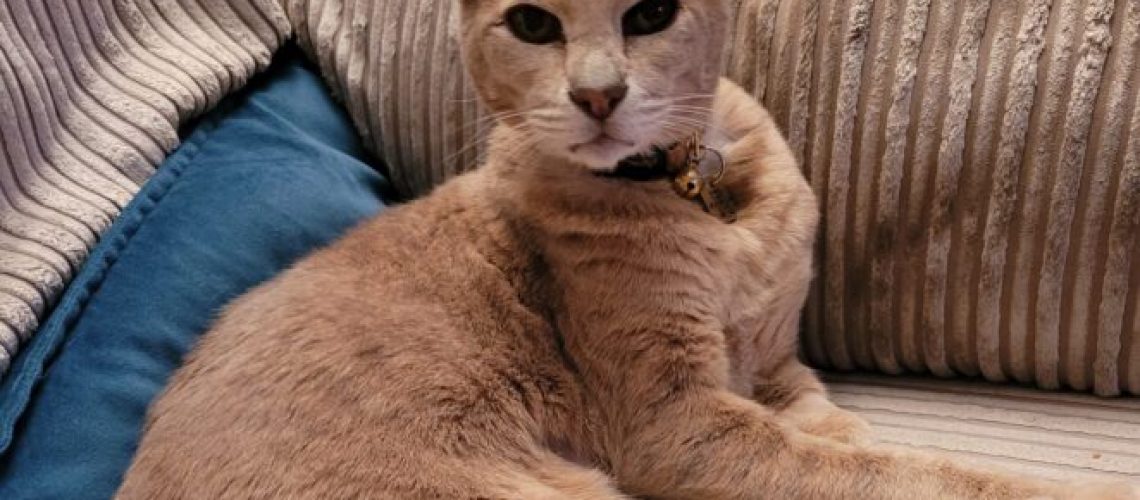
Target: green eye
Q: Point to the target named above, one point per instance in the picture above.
(534, 25)
(649, 17)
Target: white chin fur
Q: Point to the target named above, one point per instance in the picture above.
(602, 157)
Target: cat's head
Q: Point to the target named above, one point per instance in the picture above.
(595, 81)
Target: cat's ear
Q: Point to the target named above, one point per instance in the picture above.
(460, 8)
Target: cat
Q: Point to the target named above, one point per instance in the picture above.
(551, 326)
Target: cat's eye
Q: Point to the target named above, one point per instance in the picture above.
(649, 17)
(534, 25)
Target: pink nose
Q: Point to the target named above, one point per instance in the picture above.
(599, 103)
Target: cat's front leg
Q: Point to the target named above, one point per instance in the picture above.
(779, 216)
(675, 431)
(798, 397)
(710, 444)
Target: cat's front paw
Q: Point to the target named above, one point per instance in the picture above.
(838, 425)
(814, 414)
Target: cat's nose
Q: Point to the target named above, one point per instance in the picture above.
(599, 102)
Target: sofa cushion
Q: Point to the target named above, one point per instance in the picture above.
(93, 94)
(1056, 435)
(273, 174)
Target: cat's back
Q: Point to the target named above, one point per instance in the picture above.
(345, 357)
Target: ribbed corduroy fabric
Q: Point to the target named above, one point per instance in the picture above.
(92, 93)
(1056, 435)
(977, 162)
(397, 66)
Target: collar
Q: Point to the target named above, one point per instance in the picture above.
(658, 164)
(692, 170)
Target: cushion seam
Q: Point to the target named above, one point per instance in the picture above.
(26, 380)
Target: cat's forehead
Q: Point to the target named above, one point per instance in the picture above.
(575, 11)
(569, 9)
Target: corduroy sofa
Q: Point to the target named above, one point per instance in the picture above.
(977, 163)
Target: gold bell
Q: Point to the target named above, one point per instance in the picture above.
(689, 184)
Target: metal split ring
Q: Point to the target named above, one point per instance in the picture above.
(720, 158)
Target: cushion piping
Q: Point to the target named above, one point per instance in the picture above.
(30, 366)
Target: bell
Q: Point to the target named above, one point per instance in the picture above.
(689, 184)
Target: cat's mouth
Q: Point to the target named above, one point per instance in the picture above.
(602, 141)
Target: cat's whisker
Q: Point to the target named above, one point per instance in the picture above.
(699, 94)
(476, 138)
(447, 162)
(511, 150)
(550, 120)
(678, 125)
(681, 131)
(690, 117)
(536, 112)
(698, 124)
(681, 101)
(546, 128)
(690, 108)
(702, 118)
(527, 115)
(473, 144)
(492, 118)
(683, 97)
(529, 139)
(694, 112)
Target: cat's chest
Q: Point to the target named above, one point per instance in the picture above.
(752, 287)
(742, 265)
(766, 284)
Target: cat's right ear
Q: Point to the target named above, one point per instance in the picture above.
(468, 4)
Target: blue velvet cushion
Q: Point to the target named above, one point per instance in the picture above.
(274, 173)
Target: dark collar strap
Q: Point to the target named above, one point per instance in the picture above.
(681, 164)
(648, 167)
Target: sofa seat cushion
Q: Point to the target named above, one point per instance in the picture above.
(1063, 436)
